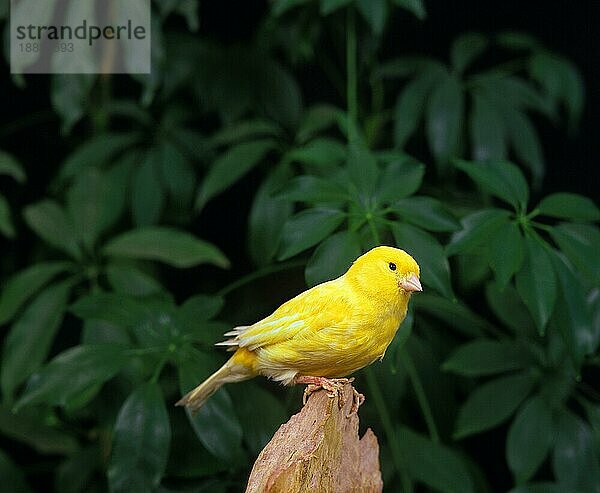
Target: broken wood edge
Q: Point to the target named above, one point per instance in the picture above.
(319, 449)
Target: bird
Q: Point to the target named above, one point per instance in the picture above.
(325, 333)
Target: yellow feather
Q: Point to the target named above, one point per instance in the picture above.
(330, 330)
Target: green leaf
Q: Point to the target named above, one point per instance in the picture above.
(117, 181)
(500, 178)
(592, 411)
(216, 424)
(190, 459)
(282, 6)
(141, 441)
(486, 127)
(529, 439)
(541, 487)
(399, 179)
(159, 328)
(102, 332)
(429, 254)
(31, 336)
(96, 152)
(13, 478)
(465, 49)
(506, 251)
(201, 307)
(545, 68)
(322, 152)
(432, 463)
(329, 6)
(508, 307)
(307, 228)
(410, 104)
(426, 212)
(76, 472)
(19, 288)
(573, 320)
(268, 214)
(515, 40)
(72, 373)
(573, 93)
(374, 12)
(89, 206)
(70, 97)
(472, 269)
(408, 67)
(279, 94)
(581, 244)
(258, 432)
(569, 206)
(525, 142)
(417, 7)
(6, 224)
(168, 245)
(29, 427)
(332, 257)
(561, 82)
(177, 174)
(395, 349)
(445, 118)
(492, 403)
(511, 93)
(575, 460)
(536, 283)
(312, 189)
(484, 357)
(316, 119)
(114, 308)
(50, 223)
(243, 130)
(230, 166)
(453, 313)
(10, 166)
(131, 281)
(147, 195)
(363, 170)
(477, 228)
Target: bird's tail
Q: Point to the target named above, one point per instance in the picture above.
(228, 373)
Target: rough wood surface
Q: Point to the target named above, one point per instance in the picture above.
(319, 450)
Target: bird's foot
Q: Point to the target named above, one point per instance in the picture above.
(357, 401)
(333, 387)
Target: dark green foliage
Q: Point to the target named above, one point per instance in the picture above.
(119, 301)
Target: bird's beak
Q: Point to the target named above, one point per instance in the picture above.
(411, 283)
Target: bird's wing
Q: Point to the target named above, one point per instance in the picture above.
(322, 306)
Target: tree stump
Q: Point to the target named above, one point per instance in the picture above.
(318, 449)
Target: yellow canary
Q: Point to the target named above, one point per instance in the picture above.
(327, 332)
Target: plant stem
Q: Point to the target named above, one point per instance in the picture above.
(159, 368)
(351, 76)
(388, 428)
(374, 232)
(26, 122)
(382, 410)
(421, 396)
(265, 271)
(144, 351)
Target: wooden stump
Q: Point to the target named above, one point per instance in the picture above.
(319, 450)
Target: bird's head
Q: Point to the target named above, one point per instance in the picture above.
(386, 272)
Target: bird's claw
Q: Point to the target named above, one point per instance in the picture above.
(357, 400)
(333, 387)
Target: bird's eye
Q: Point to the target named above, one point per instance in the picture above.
(392, 266)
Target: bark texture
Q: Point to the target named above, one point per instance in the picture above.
(319, 450)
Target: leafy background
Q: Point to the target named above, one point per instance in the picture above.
(273, 143)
